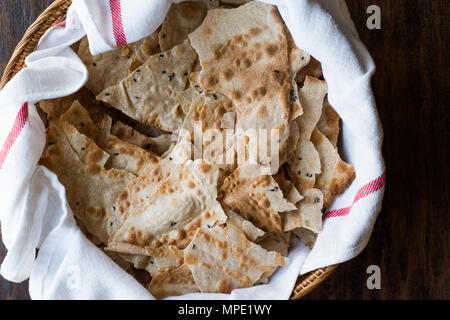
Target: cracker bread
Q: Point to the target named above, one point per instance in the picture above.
(173, 282)
(181, 19)
(289, 190)
(106, 69)
(336, 175)
(257, 198)
(308, 237)
(249, 229)
(91, 189)
(304, 163)
(244, 55)
(270, 243)
(123, 155)
(54, 108)
(148, 94)
(298, 59)
(328, 123)
(222, 259)
(174, 210)
(313, 69)
(157, 145)
(308, 213)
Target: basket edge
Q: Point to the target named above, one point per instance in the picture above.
(54, 13)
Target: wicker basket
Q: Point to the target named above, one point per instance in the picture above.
(56, 13)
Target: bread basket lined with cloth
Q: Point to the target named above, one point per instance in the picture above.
(36, 214)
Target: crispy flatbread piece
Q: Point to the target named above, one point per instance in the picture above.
(269, 243)
(289, 190)
(56, 107)
(222, 259)
(308, 214)
(149, 93)
(244, 55)
(173, 282)
(336, 175)
(308, 237)
(249, 229)
(154, 260)
(157, 145)
(329, 122)
(181, 19)
(91, 189)
(145, 49)
(106, 69)
(124, 155)
(298, 59)
(313, 69)
(172, 213)
(257, 198)
(304, 163)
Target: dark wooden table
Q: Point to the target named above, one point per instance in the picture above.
(410, 241)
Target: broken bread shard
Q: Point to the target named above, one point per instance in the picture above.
(91, 190)
(148, 94)
(336, 175)
(222, 259)
(257, 198)
(179, 205)
(243, 53)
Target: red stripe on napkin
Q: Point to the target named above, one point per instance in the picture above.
(364, 191)
(116, 13)
(61, 24)
(19, 123)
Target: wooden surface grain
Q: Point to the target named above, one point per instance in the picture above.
(410, 241)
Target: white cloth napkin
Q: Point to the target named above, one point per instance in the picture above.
(33, 209)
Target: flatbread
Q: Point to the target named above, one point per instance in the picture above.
(289, 190)
(91, 190)
(205, 119)
(222, 259)
(149, 93)
(306, 236)
(157, 145)
(171, 214)
(154, 260)
(124, 155)
(308, 214)
(78, 116)
(249, 229)
(244, 55)
(329, 122)
(106, 69)
(298, 59)
(56, 107)
(313, 69)
(336, 175)
(257, 198)
(181, 19)
(304, 163)
(146, 48)
(142, 187)
(270, 243)
(185, 98)
(173, 282)
(294, 136)
(312, 95)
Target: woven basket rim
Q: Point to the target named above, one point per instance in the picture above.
(55, 13)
